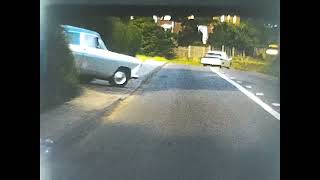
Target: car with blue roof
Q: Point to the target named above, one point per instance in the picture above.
(94, 60)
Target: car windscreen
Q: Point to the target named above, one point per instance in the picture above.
(101, 44)
(213, 54)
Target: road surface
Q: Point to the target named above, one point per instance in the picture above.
(267, 87)
(185, 123)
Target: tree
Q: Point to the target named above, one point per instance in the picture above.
(243, 36)
(189, 34)
(155, 41)
(266, 35)
(126, 37)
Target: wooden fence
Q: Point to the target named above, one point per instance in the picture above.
(191, 51)
(200, 51)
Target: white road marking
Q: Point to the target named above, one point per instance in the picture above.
(249, 87)
(239, 82)
(232, 77)
(259, 94)
(276, 104)
(265, 106)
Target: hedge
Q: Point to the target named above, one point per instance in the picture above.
(62, 77)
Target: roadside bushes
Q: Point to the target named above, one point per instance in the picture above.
(275, 67)
(126, 38)
(61, 80)
(155, 41)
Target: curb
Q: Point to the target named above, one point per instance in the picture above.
(146, 78)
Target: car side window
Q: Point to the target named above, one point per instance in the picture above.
(90, 41)
(73, 38)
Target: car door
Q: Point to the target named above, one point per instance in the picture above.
(92, 56)
(108, 62)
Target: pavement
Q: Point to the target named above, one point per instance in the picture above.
(183, 123)
(96, 98)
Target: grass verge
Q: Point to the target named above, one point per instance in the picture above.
(186, 61)
(250, 64)
(238, 63)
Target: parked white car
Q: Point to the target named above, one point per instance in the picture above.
(94, 60)
(216, 58)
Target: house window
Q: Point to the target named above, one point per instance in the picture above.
(234, 19)
(222, 18)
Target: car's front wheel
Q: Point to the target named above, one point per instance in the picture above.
(120, 78)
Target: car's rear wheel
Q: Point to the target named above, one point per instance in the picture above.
(120, 78)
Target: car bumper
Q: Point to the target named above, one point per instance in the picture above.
(214, 62)
(135, 71)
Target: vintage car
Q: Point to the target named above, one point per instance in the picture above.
(94, 60)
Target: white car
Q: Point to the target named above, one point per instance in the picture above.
(272, 50)
(94, 60)
(216, 58)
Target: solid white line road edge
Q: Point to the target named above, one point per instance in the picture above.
(265, 106)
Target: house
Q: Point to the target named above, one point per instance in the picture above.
(228, 19)
(168, 24)
(176, 27)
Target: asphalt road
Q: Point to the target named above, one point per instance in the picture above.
(184, 123)
(269, 86)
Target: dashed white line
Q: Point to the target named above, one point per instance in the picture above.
(249, 87)
(276, 104)
(259, 94)
(265, 106)
(239, 82)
